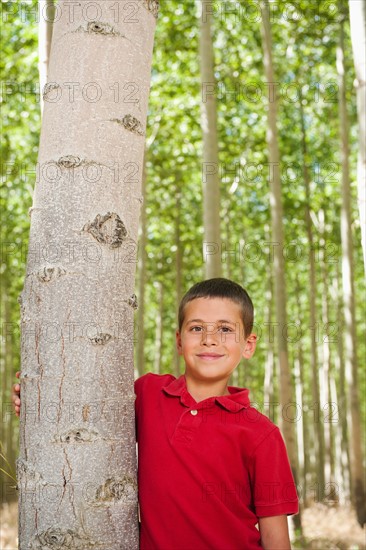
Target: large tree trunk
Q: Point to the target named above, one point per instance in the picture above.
(285, 387)
(210, 166)
(357, 10)
(77, 464)
(358, 490)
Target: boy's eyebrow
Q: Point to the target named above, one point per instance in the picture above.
(211, 322)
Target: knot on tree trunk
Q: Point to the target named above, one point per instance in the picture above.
(47, 274)
(131, 124)
(152, 6)
(99, 27)
(77, 435)
(100, 339)
(49, 88)
(69, 161)
(117, 489)
(132, 301)
(56, 538)
(108, 229)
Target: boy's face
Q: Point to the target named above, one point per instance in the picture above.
(212, 339)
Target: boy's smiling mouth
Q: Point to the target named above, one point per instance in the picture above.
(209, 356)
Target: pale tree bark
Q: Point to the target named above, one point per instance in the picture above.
(351, 366)
(302, 430)
(357, 11)
(77, 466)
(285, 386)
(210, 165)
(140, 352)
(318, 426)
(325, 370)
(46, 13)
(343, 458)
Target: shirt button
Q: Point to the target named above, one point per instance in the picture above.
(194, 412)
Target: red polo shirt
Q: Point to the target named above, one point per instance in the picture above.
(207, 470)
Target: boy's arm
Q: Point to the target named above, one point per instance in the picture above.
(274, 533)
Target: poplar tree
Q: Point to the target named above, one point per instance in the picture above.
(77, 466)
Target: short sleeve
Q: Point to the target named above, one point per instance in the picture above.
(273, 487)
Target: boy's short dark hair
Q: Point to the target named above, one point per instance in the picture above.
(220, 288)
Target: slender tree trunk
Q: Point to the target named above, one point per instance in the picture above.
(142, 278)
(303, 440)
(5, 384)
(343, 407)
(358, 490)
(77, 465)
(269, 367)
(357, 10)
(46, 13)
(178, 263)
(286, 390)
(318, 426)
(210, 166)
(326, 360)
(159, 330)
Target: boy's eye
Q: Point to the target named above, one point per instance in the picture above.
(225, 329)
(196, 328)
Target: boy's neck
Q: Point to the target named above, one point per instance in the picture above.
(200, 390)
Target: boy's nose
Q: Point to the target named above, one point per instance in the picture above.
(210, 337)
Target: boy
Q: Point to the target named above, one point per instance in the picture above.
(210, 466)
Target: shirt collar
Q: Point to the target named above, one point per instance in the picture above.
(237, 400)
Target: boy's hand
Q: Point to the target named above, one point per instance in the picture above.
(15, 396)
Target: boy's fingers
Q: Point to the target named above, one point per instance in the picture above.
(17, 374)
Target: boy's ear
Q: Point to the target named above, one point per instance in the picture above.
(178, 340)
(250, 346)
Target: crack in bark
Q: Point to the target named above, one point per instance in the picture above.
(66, 481)
(61, 400)
(108, 229)
(131, 124)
